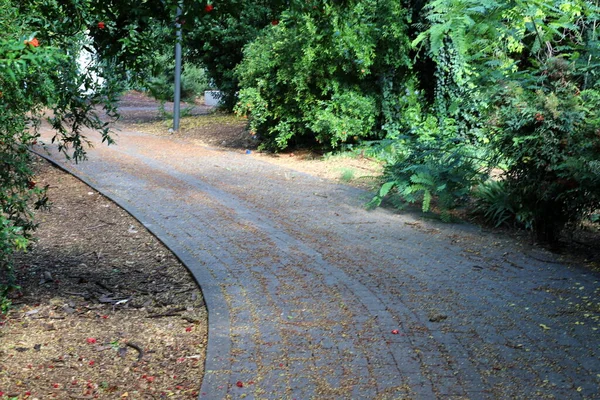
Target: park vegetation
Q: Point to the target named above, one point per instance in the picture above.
(490, 101)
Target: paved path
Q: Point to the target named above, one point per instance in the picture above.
(312, 297)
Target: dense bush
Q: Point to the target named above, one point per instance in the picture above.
(161, 83)
(215, 34)
(324, 73)
(549, 137)
(519, 82)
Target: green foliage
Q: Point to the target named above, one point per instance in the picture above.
(494, 203)
(161, 85)
(518, 81)
(319, 75)
(215, 39)
(38, 71)
(548, 134)
(426, 169)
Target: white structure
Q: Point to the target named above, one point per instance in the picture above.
(212, 97)
(85, 61)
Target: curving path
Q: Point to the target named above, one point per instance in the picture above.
(312, 297)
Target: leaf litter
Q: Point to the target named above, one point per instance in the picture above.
(104, 311)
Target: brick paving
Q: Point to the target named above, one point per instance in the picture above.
(304, 287)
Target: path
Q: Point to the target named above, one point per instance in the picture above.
(306, 290)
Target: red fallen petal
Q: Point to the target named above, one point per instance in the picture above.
(105, 317)
(188, 329)
(92, 362)
(91, 340)
(55, 385)
(395, 331)
(250, 382)
(28, 393)
(239, 384)
(150, 379)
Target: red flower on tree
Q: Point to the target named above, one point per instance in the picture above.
(101, 25)
(275, 22)
(34, 42)
(208, 8)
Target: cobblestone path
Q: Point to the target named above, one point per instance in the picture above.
(310, 296)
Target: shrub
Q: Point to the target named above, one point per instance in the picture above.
(319, 76)
(424, 170)
(548, 131)
(218, 36)
(494, 203)
(161, 83)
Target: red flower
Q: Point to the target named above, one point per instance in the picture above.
(275, 22)
(239, 384)
(208, 8)
(34, 42)
(91, 340)
(101, 25)
(539, 117)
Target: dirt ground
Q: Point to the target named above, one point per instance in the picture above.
(104, 310)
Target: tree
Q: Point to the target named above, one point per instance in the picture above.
(329, 72)
(40, 41)
(519, 80)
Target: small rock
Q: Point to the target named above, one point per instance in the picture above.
(49, 327)
(437, 318)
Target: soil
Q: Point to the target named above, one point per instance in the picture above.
(104, 309)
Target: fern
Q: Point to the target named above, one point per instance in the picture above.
(430, 170)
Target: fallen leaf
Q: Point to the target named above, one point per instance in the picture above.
(545, 327)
